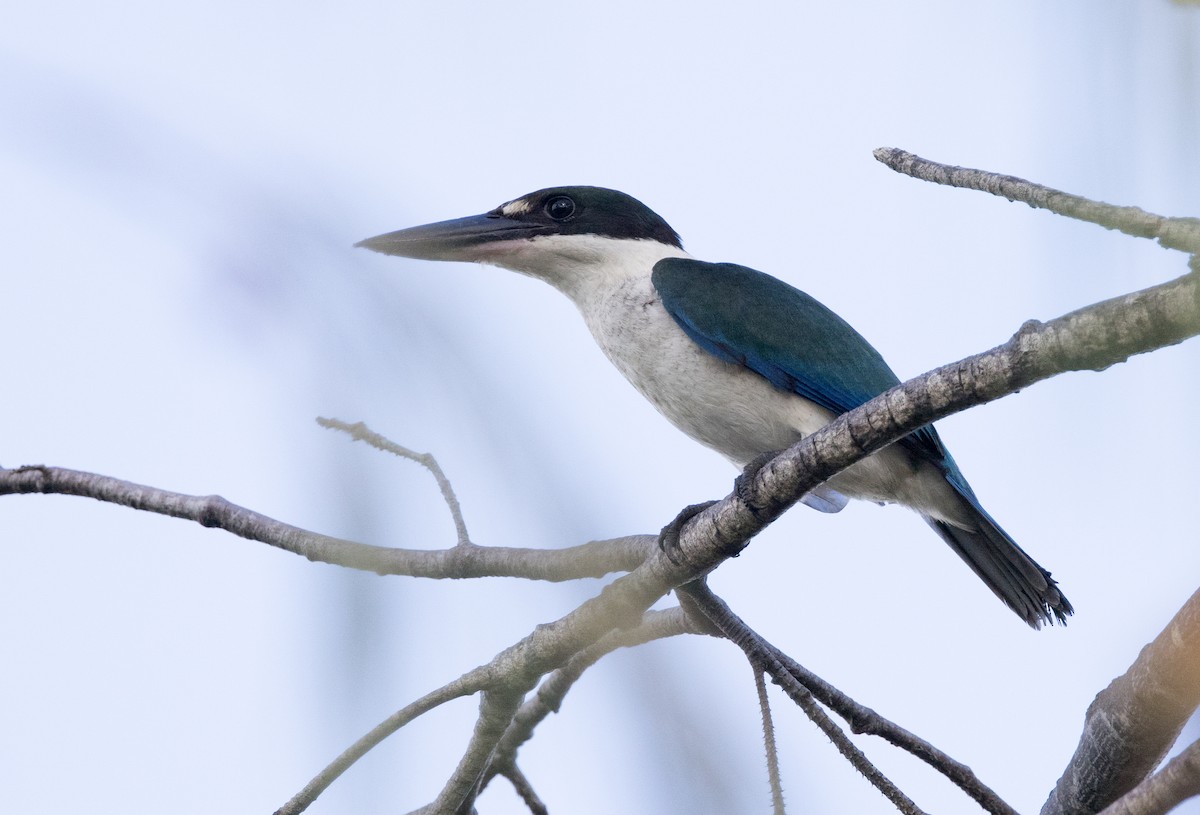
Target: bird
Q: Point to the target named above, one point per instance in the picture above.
(742, 362)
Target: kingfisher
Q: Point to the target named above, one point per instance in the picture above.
(740, 361)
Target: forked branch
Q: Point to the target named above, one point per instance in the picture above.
(1134, 721)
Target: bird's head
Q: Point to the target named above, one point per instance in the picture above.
(554, 234)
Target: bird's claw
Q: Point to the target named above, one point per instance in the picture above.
(743, 485)
(668, 538)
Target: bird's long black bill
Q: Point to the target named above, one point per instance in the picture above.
(452, 240)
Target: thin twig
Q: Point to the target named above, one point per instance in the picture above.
(1172, 233)
(525, 790)
(864, 720)
(360, 432)
(464, 686)
(772, 749)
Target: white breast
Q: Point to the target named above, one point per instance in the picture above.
(721, 405)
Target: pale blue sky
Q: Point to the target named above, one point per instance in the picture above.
(181, 190)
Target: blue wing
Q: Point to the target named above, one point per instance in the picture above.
(749, 318)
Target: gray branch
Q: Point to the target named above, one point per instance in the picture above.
(1172, 233)
(1134, 721)
(550, 694)
(1165, 790)
(594, 559)
(466, 685)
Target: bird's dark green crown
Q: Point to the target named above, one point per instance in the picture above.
(589, 211)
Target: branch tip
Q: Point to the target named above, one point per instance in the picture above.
(359, 431)
(1182, 234)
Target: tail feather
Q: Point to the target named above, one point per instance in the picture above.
(1012, 575)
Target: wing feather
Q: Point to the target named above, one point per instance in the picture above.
(786, 336)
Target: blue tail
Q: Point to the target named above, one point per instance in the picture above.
(1012, 575)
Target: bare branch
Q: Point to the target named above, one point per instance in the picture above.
(1135, 720)
(550, 694)
(516, 669)
(864, 720)
(655, 625)
(360, 432)
(496, 709)
(1172, 233)
(594, 559)
(1165, 790)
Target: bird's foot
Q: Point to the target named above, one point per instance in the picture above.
(743, 485)
(668, 539)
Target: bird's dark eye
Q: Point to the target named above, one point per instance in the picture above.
(560, 207)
